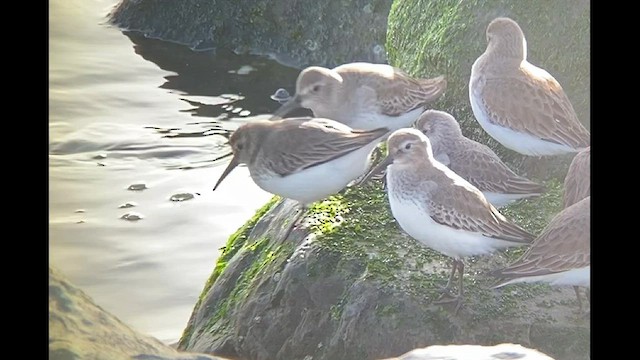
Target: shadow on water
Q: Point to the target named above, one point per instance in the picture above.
(246, 82)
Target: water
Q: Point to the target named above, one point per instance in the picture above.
(135, 128)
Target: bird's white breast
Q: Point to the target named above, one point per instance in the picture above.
(415, 221)
(318, 182)
(520, 142)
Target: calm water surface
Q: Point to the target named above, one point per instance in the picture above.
(126, 110)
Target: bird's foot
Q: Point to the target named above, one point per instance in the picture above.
(456, 301)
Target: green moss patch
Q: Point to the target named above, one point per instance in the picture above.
(430, 38)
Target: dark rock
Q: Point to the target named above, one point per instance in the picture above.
(80, 329)
(296, 32)
(351, 286)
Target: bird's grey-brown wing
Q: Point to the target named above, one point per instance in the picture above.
(535, 105)
(403, 93)
(304, 144)
(461, 206)
(577, 183)
(480, 166)
(563, 245)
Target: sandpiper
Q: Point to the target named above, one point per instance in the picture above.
(561, 255)
(473, 161)
(577, 183)
(363, 95)
(519, 104)
(439, 208)
(304, 159)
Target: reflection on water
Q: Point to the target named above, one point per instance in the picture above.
(137, 130)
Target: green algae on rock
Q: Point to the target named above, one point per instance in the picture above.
(426, 38)
(352, 284)
(320, 292)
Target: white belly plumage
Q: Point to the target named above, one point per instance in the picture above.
(318, 182)
(522, 143)
(451, 242)
(370, 121)
(575, 277)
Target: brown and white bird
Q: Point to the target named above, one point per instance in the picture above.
(363, 95)
(473, 161)
(438, 208)
(577, 183)
(560, 255)
(304, 159)
(519, 104)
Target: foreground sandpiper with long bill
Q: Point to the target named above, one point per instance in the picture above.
(473, 161)
(519, 104)
(440, 209)
(363, 95)
(304, 159)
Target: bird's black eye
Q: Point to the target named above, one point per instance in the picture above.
(408, 146)
(315, 88)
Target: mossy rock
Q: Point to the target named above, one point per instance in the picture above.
(428, 38)
(351, 285)
(298, 33)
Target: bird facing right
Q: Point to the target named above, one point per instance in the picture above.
(473, 161)
(440, 209)
(519, 104)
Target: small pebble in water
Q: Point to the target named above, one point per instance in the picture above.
(245, 70)
(281, 95)
(312, 45)
(137, 187)
(132, 216)
(80, 222)
(378, 49)
(128, 204)
(181, 197)
(100, 157)
(101, 164)
(80, 211)
(244, 113)
(236, 110)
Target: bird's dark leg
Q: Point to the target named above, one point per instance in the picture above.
(447, 287)
(460, 287)
(301, 211)
(577, 290)
(457, 264)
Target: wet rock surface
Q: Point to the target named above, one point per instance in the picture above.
(298, 33)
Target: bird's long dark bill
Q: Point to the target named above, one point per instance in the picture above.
(378, 168)
(234, 162)
(287, 107)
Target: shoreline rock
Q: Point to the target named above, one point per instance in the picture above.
(352, 286)
(296, 33)
(80, 329)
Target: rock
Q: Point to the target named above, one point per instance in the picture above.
(428, 38)
(297, 33)
(80, 329)
(352, 286)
